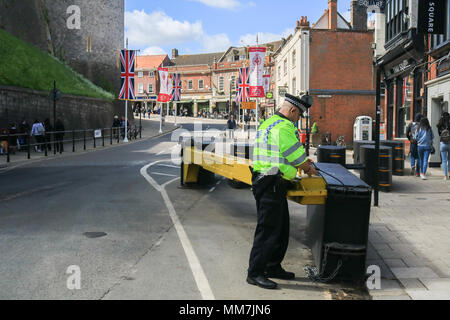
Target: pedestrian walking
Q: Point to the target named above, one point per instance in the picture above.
(38, 131)
(276, 139)
(59, 136)
(231, 126)
(444, 134)
(24, 130)
(413, 150)
(3, 141)
(424, 137)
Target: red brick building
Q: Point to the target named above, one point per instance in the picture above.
(340, 73)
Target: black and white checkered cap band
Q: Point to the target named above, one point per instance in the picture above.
(296, 103)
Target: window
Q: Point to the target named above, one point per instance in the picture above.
(201, 84)
(242, 57)
(236, 58)
(141, 88)
(438, 39)
(404, 101)
(89, 44)
(293, 58)
(395, 18)
(285, 66)
(221, 84)
(140, 74)
(233, 83)
(150, 88)
(190, 84)
(151, 74)
(382, 89)
(294, 86)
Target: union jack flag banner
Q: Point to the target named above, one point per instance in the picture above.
(127, 64)
(176, 93)
(243, 87)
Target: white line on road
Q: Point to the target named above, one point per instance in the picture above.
(168, 166)
(164, 174)
(194, 263)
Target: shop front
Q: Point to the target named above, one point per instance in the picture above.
(403, 72)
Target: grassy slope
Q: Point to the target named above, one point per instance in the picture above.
(23, 65)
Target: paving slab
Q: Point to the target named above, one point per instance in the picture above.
(408, 273)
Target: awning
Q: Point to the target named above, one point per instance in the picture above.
(185, 101)
(202, 101)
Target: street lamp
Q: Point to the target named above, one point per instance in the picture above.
(229, 105)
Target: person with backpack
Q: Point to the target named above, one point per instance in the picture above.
(424, 136)
(414, 154)
(443, 127)
(38, 131)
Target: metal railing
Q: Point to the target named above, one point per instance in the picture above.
(58, 140)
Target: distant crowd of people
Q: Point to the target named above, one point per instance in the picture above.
(16, 137)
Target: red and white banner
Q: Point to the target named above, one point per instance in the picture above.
(164, 94)
(257, 58)
(170, 87)
(266, 79)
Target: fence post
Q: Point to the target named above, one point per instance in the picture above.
(111, 135)
(118, 134)
(54, 141)
(95, 146)
(29, 145)
(45, 144)
(7, 147)
(140, 131)
(73, 140)
(84, 139)
(103, 138)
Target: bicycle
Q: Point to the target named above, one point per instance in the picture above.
(340, 142)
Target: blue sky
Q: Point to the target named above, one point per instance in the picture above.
(201, 26)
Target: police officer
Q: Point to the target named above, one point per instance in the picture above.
(277, 156)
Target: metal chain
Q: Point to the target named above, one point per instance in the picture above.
(314, 275)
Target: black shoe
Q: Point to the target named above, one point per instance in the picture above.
(262, 282)
(280, 273)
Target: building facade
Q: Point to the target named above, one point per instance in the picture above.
(333, 61)
(438, 85)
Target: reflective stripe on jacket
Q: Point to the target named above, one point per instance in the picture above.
(277, 146)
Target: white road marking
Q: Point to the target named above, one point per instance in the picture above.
(168, 166)
(194, 263)
(164, 174)
(214, 188)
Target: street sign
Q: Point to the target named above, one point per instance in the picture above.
(52, 97)
(376, 6)
(431, 18)
(98, 133)
(269, 95)
(282, 91)
(248, 105)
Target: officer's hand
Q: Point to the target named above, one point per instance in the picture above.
(312, 171)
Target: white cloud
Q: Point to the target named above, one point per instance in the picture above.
(263, 37)
(223, 4)
(216, 43)
(152, 51)
(155, 30)
(158, 29)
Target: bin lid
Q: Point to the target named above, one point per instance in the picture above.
(346, 177)
(327, 147)
(372, 146)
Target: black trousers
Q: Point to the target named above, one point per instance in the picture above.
(272, 230)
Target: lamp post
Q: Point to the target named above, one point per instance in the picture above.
(229, 105)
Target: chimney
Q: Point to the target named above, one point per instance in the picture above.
(174, 53)
(359, 16)
(332, 14)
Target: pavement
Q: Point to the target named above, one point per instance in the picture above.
(409, 237)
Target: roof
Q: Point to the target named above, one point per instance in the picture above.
(322, 22)
(150, 62)
(197, 59)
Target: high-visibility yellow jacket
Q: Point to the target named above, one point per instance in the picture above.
(278, 146)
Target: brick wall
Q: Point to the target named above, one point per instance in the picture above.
(75, 112)
(341, 60)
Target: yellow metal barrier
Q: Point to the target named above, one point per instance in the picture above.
(307, 190)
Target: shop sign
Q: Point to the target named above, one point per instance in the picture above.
(443, 68)
(248, 105)
(401, 67)
(432, 17)
(377, 6)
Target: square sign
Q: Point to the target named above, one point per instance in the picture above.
(98, 133)
(431, 18)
